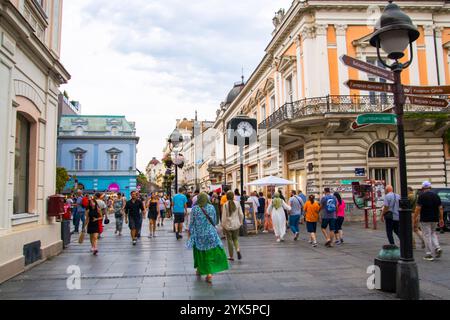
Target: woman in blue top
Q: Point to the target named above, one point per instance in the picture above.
(209, 254)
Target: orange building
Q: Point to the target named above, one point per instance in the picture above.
(298, 91)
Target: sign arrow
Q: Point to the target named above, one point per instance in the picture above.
(425, 101)
(370, 86)
(427, 90)
(356, 126)
(367, 67)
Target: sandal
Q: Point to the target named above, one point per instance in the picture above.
(231, 259)
(209, 279)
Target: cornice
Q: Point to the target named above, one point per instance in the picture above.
(24, 34)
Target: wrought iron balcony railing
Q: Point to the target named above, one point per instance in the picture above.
(355, 104)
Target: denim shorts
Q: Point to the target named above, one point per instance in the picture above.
(311, 227)
(330, 222)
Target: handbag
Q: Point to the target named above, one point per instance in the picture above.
(389, 215)
(106, 220)
(81, 237)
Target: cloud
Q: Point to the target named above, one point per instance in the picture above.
(156, 61)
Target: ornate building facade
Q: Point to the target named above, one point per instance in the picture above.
(30, 74)
(305, 111)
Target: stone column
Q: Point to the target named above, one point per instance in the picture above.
(431, 57)
(276, 80)
(440, 54)
(299, 69)
(341, 44)
(414, 67)
(322, 62)
(309, 65)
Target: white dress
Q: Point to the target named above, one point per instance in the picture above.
(279, 219)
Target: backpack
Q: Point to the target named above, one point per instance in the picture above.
(331, 204)
(85, 202)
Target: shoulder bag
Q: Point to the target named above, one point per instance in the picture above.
(208, 217)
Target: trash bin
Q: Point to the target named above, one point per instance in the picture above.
(387, 262)
(65, 232)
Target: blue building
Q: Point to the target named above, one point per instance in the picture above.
(100, 151)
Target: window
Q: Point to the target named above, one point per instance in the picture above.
(113, 160)
(78, 161)
(21, 165)
(381, 150)
(289, 91)
(272, 104)
(263, 112)
(297, 155)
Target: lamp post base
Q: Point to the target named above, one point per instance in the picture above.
(407, 280)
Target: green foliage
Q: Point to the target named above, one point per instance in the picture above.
(143, 182)
(61, 179)
(440, 116)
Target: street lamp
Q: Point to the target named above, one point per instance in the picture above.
(174, 140)
(394, 31)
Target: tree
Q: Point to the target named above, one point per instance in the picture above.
(61, 179)
(143, 182)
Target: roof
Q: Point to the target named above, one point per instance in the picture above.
(234, 92)
(96, 125)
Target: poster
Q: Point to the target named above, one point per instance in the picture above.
(250, 218)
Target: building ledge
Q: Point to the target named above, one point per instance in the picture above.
(24, 218)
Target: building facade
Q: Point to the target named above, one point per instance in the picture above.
(305, 111)
(30, 74)
(99, 152)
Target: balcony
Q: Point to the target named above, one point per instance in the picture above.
(352, 104)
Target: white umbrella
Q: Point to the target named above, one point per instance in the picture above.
(271, 181)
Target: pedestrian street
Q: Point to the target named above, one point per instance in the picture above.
(162, 269)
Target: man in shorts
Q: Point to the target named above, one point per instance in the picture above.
(134, 214)
(179, 210)
(329, 205)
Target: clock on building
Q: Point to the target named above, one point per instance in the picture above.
(241, 130)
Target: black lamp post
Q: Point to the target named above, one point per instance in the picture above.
(175, 139)
(393, 33)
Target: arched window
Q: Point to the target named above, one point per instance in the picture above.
(381, 149)
(22, 165)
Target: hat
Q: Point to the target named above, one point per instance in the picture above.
(426, 184)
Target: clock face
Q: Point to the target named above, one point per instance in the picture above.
(245, 129)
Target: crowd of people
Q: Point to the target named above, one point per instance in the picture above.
(208, 218)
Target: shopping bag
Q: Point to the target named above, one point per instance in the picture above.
(81, 237)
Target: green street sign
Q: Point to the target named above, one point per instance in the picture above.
(348, 182)
(377, 118)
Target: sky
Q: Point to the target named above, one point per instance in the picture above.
(156, 61)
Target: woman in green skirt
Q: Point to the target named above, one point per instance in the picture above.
(209, 255)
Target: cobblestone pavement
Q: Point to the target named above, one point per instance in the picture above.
(162, 268)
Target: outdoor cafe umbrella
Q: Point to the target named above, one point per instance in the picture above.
(271, 181)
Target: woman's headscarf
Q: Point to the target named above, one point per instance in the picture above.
(231, 204)
(202, 200)
(277, 202)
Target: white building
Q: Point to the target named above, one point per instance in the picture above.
(30, 74)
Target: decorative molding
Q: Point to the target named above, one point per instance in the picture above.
(438, 30)
(114, 151)
(8, 43)
(341, 30)
(78, 151)
(321, 29)
(79, 122)
(308, 32)
(428, 30)
(23, 89)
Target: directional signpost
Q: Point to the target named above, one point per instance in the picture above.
(377, 118)
(411, 92)
(367, 67)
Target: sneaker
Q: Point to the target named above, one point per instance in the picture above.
(95, 252)
(239, 255)
(278, 240)
(428, 257)
(337, 242)
(149, 236)
(314, 244)
(157, 225)
(134, 242)
(342, 241)
(296, 236)
(438, 252)
(328, 244)
(265, 231)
